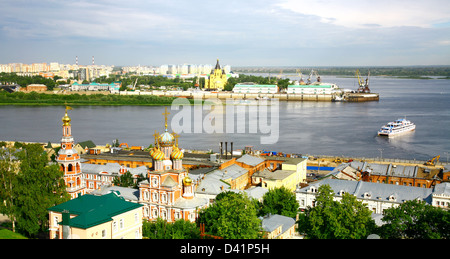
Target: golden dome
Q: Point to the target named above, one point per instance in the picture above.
(66, 120)
(187, 181)
(157, 154)
(176, 153)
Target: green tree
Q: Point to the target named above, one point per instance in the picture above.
(8, 180)
(280, 201)
(39, 186)
(232, 216)
(125, 180)
(283, 83)
(415, 220)
(161, 229)
(330, 219)
(355, 218)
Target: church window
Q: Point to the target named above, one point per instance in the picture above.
(70, 168)
(155, 182)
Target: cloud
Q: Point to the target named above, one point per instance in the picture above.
(265, 32)
(382, 13)
(96, 19)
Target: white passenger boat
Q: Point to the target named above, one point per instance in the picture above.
(396, 127)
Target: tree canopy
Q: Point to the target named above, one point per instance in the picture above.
(330, 219)
(161, 229)
(36, 186)
(415, 220)
(279, 201)
(232, 216)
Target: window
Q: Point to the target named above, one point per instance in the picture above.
(55, 221)
(114, 226)
(155, 182)
(121, 224)
(136, 217)
(103, 233)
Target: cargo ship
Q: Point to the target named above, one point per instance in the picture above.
(396, 128)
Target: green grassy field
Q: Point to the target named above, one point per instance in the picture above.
(8, 234)
(33, 98)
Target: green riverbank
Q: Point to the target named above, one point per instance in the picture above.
(43, 99)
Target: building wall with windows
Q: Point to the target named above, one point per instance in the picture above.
(89, 216)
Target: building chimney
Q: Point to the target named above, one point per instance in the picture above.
(226, 150)
(231, 150)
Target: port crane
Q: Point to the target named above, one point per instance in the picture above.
(281, 74)
(300, 81)
(363, 86)
(311, 74)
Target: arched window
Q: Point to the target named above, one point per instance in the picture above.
(70, 168)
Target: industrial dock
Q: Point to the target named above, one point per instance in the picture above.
(348, 97)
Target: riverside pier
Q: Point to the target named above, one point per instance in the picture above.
(349, 97)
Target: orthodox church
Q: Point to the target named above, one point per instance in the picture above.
(217, 79)
(168, 193)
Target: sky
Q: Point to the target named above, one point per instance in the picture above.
(237, 32)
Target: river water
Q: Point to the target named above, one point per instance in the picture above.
(317, 128)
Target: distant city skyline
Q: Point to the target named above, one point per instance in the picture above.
(238, 33)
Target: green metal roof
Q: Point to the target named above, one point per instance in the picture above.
(92, 210)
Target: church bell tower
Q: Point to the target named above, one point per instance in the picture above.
(69, 160)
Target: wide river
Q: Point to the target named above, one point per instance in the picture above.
(316, 128)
